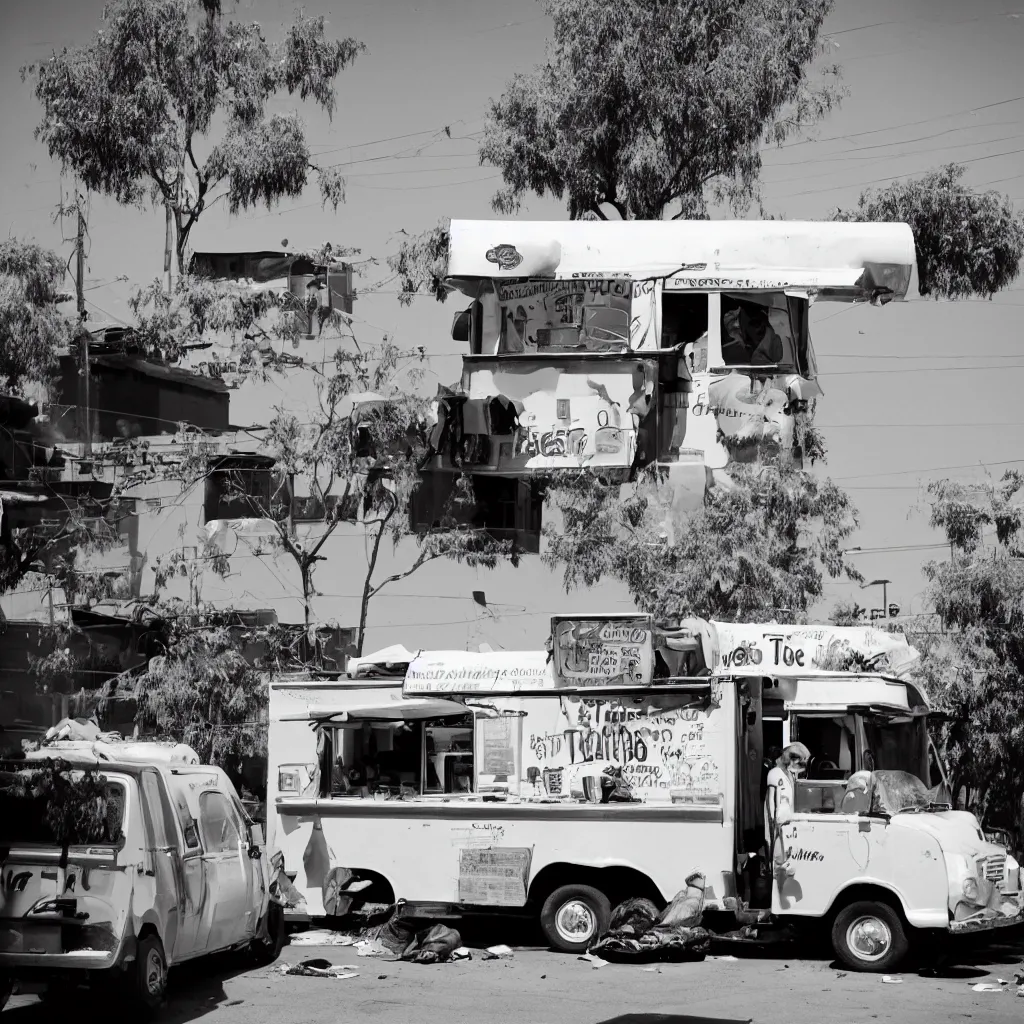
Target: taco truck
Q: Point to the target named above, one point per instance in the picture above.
(619, 761)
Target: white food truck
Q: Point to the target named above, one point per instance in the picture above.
(620, 761)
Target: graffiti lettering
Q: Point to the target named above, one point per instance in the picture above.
(642, 288)
(553, 443)
(801, 854)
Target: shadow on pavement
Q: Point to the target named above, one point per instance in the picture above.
(193, 991)
(671, 1018)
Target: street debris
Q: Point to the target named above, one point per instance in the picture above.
(323, 937)
(498, 953)
(988, 986)
(319, 968)
(595, 961)
(637, 929)
(888, 979)
(433, 945)
(462, 953)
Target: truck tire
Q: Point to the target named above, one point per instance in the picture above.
(147, 980)
(6, 988)
(869, 936)
(266, 951)
(574, 916)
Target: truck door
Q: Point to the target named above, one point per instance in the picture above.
(194, 926)
(164, 858)
(225, 857)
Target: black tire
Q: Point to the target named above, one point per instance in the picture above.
(879, 926)
(574, 917)
(265, 951)
(6, 988)
(147, 979)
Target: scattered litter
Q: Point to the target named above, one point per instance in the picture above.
(433, 945)
(462, 953)
(497, 952)
(651, 970)
(381, 977)
(543, 977)
(234, 1002)
(595, 961)
(372, 947)
(888, 979)
(986, 986)
(841, 974)
(318, 968)
(727, 957)
(322, 937)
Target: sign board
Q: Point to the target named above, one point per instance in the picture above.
(607, 650)
(467, 672)
(498, 738)
(799, 650)
(494, 877)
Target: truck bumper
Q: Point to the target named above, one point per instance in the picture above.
(1011, 913)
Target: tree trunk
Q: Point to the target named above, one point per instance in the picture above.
(307, 592)
(181, 241)
(364, 604)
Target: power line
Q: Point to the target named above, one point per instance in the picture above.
(932, 469)
(894, 177)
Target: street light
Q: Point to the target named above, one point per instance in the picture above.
(884, 584)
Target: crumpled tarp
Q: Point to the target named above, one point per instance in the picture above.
(433, 945)
(636, 930)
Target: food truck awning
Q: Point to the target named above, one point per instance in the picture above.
(374, 709)
(735, 255)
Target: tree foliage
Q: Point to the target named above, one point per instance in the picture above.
(752, 552)
(32, 329)
(421, 263)
(646, 104)
(359, 461)
(969, 243)
(204, 693)
(974, 669)
(128, 112)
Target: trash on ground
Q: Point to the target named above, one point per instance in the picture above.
(727, 957)
(986, 986)
(651, 970)
(433, 945)
(497, 952)
(372, 947)
(888, 979)
(319, 968)
(596, 961)
(322, 937)
(636, 928)
(462, 953)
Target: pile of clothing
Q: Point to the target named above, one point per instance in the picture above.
(637, 930)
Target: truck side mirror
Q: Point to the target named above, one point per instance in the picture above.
(256, 836)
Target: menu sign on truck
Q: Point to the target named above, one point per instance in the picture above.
(606, 650)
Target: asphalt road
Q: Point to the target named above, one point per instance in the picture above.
(540, 987)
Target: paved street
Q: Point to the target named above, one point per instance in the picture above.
(540, 987)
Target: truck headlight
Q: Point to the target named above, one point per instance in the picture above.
(969, 887)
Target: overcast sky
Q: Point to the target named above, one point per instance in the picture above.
(912, 391)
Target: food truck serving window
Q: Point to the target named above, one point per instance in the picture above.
(368, 757)
(765, 329)
(574, 315)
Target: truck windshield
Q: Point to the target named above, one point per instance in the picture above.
(899, 745)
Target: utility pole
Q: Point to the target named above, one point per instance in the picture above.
(83, 334)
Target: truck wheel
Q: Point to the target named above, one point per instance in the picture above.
(869, 936)
(148, 981)
(266, 951)
(6, 988)
(573, 917)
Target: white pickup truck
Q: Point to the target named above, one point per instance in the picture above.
(175, 870)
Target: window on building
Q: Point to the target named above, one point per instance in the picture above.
(240, 491)
(218, 823)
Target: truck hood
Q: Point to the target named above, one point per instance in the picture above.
(956, 831)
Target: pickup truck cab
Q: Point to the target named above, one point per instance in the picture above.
(176, 871)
